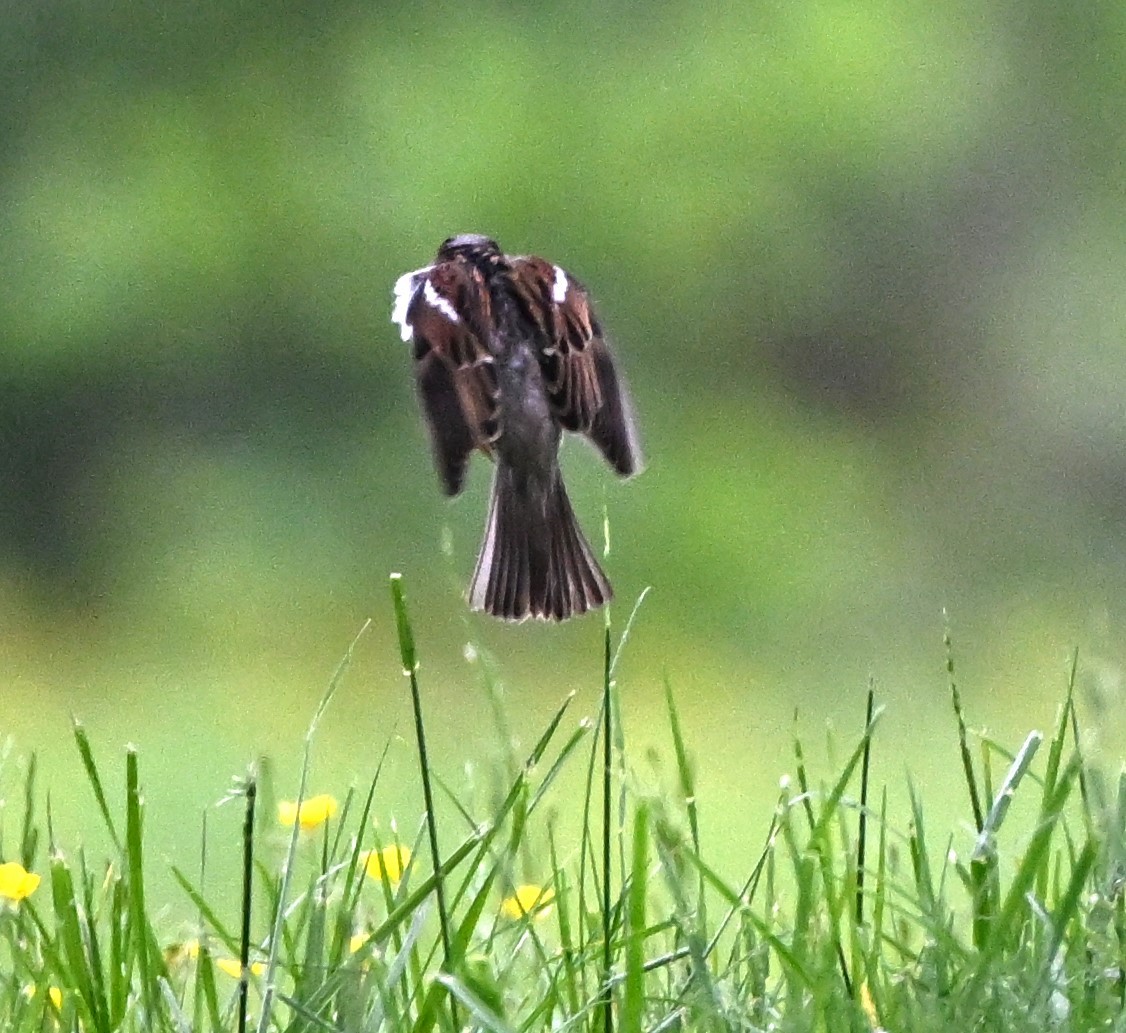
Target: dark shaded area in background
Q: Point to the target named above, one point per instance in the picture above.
(271, 389)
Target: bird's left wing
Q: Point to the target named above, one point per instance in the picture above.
(584, 386)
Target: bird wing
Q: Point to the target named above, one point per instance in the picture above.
(587, 393)
(444, 310)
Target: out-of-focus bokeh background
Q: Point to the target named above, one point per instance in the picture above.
(863, 263)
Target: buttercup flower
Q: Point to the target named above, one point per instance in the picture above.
(16, 882)
(233, 969)
(54, 994)
(312, 813)
(178, 953)
(528, 899)
(392, 860)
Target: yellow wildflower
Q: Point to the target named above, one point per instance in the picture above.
(312, 813)
(233, 969)
(358, 941)
(391, 861)
(54, 995)
(528, 899)
(16, 882)
(178, 953)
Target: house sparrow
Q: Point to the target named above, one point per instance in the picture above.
(507, 355)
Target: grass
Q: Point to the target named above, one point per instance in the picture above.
(839, 922)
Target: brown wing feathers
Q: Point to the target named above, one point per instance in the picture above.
(456, 375)
(583, 385)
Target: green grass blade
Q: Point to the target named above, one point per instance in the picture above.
(626, 632)
(483, 1016)
(820, 833)
(74, 964)
(458, 946)
(149, 968)
(862, 819)
(685, 772)
(180, 1021)
(92, 941)
(1068, 906)
(229, 940)
(410, 669)
(607, 835)
(984, 861)
(1037, 854)
(29, 831)
(82, 741)
(1011, 782)
(633, 997)
(402, 623)
(247, 900)
(963, 735)
(266, 1015)
(1059, 739)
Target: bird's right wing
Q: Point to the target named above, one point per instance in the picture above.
(444, 310)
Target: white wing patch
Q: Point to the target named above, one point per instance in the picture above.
(405, 288)
(559, 287)
(435, 300)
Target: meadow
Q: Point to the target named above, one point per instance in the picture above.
(859, 264)
(839, 919)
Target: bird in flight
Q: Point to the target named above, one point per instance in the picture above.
(508, 354)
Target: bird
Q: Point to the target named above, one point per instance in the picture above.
(508, 354)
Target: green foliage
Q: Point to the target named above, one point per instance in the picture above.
(630, 928)
(860, 260)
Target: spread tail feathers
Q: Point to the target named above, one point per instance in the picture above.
(534, 561)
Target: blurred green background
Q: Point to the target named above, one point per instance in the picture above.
(863, 263)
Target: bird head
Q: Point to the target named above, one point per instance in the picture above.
(470, 247)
